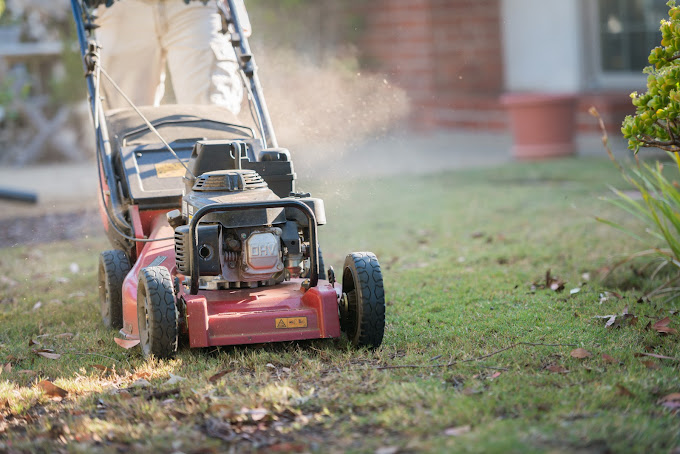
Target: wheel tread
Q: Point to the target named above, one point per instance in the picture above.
(371, 323)
(156, 282)
(115, 266)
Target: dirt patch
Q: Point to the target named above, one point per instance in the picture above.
(49, 227)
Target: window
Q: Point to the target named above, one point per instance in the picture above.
(628, 30)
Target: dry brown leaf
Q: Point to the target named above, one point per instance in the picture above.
(218, 375)
(555, 368)
(669, 397)
(7, 368)
(100, 367)
(654, 355)
(47, 353)
(52, 390)
(671, 401)
(580, 353)
(64, 336)
(661, 326)
(608, 359)
(623, 391)
(125, 343)
(31, 342)
(457, 431)
(663, 322)
(651, 364)
(665, 330)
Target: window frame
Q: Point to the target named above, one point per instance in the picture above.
(596, 76)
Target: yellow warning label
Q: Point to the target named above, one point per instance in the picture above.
(291, 322)
(170, 170)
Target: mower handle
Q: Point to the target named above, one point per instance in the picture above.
(282, 203)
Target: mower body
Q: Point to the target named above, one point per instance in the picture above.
(249, 250)
(211, 241)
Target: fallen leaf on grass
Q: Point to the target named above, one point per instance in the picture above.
(140, 383)
(574, 291)
(671, 401)
(125, 343)
(614, 321)
(256, 414)
(662, 326)
(608, 359)
(654, 355)
(174, 379)
(606, 296)
(555, 368)
(610, 322)
(31, 342)
(100, 367)
(52, 390)
(6, 368)
(457, 431)
(37, 305)
(47, 353)
(28, 372)
(623, 391)
(551, 282)
(580, 353)
(651, 365)
(64, 336)
(218, 375)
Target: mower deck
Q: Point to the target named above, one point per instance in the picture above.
(284, 312)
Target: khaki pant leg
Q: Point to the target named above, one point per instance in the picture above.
(201, 60)
(131, 52)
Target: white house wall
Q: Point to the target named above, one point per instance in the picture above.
(542, 45)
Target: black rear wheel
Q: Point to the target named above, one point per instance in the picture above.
(157, 314)
(362, 311)
(113, 267)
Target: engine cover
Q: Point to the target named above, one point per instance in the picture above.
(262, 255)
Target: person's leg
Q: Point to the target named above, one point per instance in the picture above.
(131, 52)
(201, 60)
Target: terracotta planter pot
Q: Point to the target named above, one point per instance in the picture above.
(542, 124)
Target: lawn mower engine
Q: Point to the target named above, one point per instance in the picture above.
(245, 249)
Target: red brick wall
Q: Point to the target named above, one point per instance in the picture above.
(445, 53)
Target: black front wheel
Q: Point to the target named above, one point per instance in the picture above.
(113, 267)
(362, 308)
(157, 314)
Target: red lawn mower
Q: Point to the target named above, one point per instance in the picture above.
(210, 239)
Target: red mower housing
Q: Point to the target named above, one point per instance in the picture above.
(211, 240)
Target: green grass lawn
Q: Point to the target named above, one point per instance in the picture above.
(464, 257)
